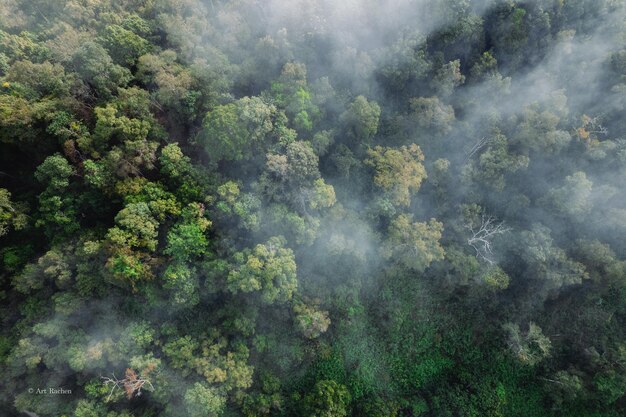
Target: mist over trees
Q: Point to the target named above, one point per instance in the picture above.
(313, 208)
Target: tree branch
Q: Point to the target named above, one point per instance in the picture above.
(481, 239)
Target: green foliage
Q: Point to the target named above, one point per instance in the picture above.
(269, 268)
(225, 207)
(538, 130)
(293, 177)
(361, 120)
(12, 215)
(530, 347)
(311, 321)
(405, 63)
(610, 385)
(414, 245)
(204, 401)
(547, 262)
(573, 199)
(242, 205)
(430, 113)
(94, 65)
(173, 162)
(234, 131)
(187, 239)
(54, 172)
(495, 278)
(22, 46)
(124, 46)
(327, 399)
(493, 165)
(136, 228)
(39, 80)
(448, 77)
(172, 83)
(398, 172)
(183, 281)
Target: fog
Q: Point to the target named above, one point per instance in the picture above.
(300, 235)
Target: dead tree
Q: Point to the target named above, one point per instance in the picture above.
(593, 125)
(481, 143)
(132, 384)
(481, 238)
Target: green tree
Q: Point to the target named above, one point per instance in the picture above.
(130, 127)
(187, 239)
(311, 321)
(94, 65)
(547, 262)
(136, 228)
(573, 199)
(529, 347)
(188, 181)
(412, 244)
(124, 46)
(327, 399)
(538, 128)
(202, 400)
(431, 115)
(12, 214)
(448, 77)
(245, 206)
(399, 172)
(494, 163)
(292, 94)
(237, 130)
(183, 281)
(293, 177)
(405, 64)
(40, 80)
(57, 209)
(172, 82)
(269, 268)
(361, 120)
(323, 195)
(55, 172)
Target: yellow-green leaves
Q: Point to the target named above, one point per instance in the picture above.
(323, 195)
(311, 321)
(398, 172)
(12, 214)
(269, 269)
(136, 227)
(412, 244)
(202, 400)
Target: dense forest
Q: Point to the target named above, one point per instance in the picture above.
(313, 208)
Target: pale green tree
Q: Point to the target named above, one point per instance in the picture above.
(268, 268)
(414, 245)
(398, 172)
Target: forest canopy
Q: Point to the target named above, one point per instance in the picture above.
(313, 208)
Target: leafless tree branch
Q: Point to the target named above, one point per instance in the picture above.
(132, 384)
(481, 238)
(481, 143)
(594, 126)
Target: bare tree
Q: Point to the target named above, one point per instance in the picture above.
(132, 384)
(593, 125)
(481, 238)
(481, 143)
(591, 128)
